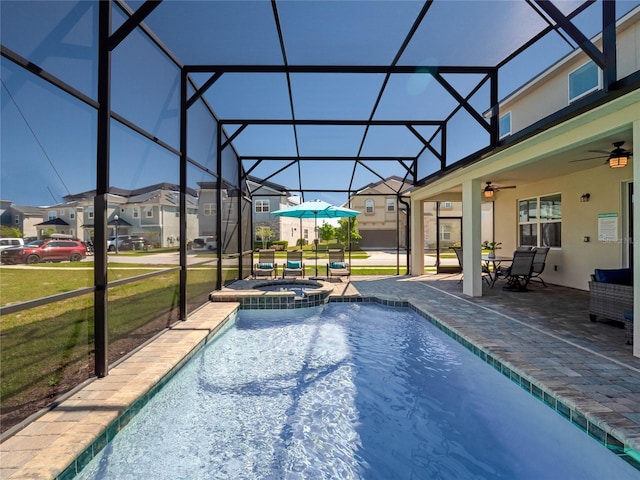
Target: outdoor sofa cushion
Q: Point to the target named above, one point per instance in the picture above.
(619, 276)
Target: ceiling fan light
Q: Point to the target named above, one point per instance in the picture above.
(487, 193)
(618, 161)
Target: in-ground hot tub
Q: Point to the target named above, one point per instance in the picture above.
(275, 294)
(298, 288)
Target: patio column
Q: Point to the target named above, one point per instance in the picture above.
(471, 238)
(417, 237)
(636, 244)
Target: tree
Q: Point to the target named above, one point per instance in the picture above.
(7, 231)
(327, 232)
(342, 232)
(264, 233)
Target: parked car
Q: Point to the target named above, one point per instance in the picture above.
(45, 251)
(135, 243)
(204, 243)
(111, 242)
(10, 242)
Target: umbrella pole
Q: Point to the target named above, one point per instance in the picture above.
(315, 229)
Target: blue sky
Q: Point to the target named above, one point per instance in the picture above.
(48, 139)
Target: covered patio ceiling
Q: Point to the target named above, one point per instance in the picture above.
(328, 96)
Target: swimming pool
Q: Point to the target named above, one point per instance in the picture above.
(347, 391)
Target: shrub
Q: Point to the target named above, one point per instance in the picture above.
(279, 244)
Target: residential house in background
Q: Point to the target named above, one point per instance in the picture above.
(383, 222)
(268, 197)
(22, 217)
(151, 212)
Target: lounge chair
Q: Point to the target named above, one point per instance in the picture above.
(266, 266)
(539, 261)
(519, 272)
(294, 266)
(337, 266)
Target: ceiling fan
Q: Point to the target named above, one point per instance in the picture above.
(616, 158)
(490, 189)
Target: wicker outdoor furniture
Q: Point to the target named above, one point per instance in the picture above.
(611, 295)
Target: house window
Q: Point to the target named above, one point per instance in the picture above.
(62, 213)
(17, 219)
(391, 205)
(136, 212)
(447, 205)
(149, 212)
(368, 206)
(504, 125)
(90, 214)
(583, 81)
(306, 234)
(72, 214)
(52, 215)
(445, 232)
(209, 209)
(262, 206)
(540, 221)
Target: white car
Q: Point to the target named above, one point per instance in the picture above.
(10, 242)
(111, 242)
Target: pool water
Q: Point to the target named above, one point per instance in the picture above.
(347, 391)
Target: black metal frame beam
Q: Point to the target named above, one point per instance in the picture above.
(327, 158)
(576, 35)
(102, 190)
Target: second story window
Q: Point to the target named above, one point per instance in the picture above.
(504, 125)
(583, 80)
(135, 212)
(209, 208)
(72, 214)
(62, 213)
(17, 219)
(52, 215)
(262, 206)
(368, 206)
(391, 205)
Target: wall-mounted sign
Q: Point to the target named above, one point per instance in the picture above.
(608, 227)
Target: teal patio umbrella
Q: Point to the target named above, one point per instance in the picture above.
(316, 209)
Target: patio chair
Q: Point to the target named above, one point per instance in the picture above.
(519, 272)
(294, 266)
(539, 261)
(337, 266)
(485, 269)
(266, 266)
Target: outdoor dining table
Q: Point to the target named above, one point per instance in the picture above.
(494, 261)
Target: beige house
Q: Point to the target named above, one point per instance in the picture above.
(566, 194)
(383, 221)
